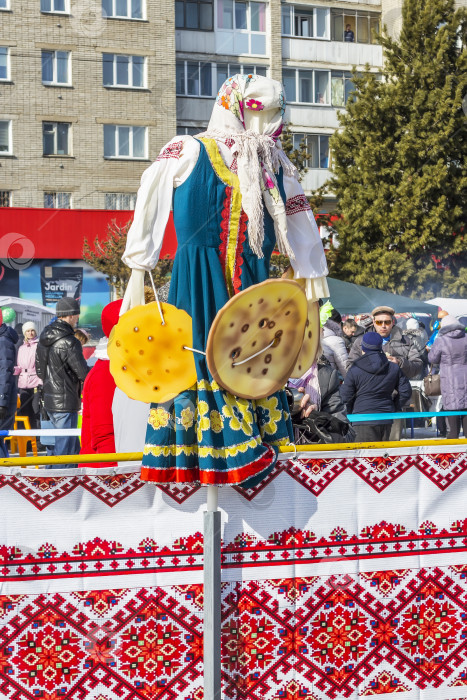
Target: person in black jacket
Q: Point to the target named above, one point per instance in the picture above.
(8, 390)
(61, 366)
(373, 384)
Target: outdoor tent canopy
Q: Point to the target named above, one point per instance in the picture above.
(350, 298)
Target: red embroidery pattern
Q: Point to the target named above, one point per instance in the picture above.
(317, 638)
(315, 474)
(225, 223)
(99, 557)
(174, 150)
(237, 278)
(297, 204)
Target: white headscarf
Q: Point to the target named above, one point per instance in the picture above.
(248, 118)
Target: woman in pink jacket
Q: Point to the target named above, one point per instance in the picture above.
(28, 381)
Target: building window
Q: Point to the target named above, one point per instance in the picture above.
(341, 87)
(354, 26)
(317, 146)
(56, 138)
(190, 130)
(225, 70)
(199, 79)
(123, 71)
(5, 198)
(194, 14)
(56, 67)
(312, 23)
(57, 200)
(125, 141)
(4, 5)
(194, 78)
(55, 6)
(4, 63)
(247, 19)
(127, 9)
(120, 200)
(307, 86)
(6, 146)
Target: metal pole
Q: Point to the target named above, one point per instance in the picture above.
(212, 597)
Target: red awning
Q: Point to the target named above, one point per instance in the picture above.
(60, 233)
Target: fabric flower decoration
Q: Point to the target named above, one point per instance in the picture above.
(158, 418)
(254, 105)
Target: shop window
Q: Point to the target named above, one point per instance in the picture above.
(354, 26)
(123, 71)
(193, 14)
(123, 9)
(125, 141)
(120, 200)
(56, 138)
(56, 67)
(317, 146)
(5, 198)
(60, 6)
(6, 146)
(4, 63)
(57, 200)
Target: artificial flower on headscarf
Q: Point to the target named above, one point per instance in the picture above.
(257, 150)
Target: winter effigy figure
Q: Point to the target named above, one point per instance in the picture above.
(234, 194)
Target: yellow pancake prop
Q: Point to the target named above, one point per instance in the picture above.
(148, 359)
(255, 338)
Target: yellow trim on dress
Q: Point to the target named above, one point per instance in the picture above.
(177, 450)
(231, 179)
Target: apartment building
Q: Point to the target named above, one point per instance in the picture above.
(90, 90)
(87, 99)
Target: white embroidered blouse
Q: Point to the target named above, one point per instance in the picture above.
(171, 168)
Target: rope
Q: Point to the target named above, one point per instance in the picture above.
(157, 299)
(201, 352)
(260, 352)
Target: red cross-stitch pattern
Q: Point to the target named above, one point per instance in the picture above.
(314, 474)
(320, 638)
(297, 204)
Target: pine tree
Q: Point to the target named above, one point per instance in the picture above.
(106, 257)
(400, 161)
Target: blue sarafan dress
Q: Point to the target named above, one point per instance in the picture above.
(206, 434)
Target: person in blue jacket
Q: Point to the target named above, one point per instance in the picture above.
(373, 384)
(8, 387)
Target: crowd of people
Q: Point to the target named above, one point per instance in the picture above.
(364, 367)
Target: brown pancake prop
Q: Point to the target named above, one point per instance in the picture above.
(310, 345)
(147, 358)
(255, 338)
(312, 336)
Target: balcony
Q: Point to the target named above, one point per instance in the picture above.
(335, 52)
(195, 42)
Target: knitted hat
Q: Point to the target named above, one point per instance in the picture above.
(28, 326)
(372, 342)
(383, 310)
(412, 324)
(110, 316)
(67, 306)
(449, 321)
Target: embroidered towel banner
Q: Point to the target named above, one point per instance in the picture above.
(344, 576)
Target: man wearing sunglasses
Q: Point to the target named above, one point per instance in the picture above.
(399, 348)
